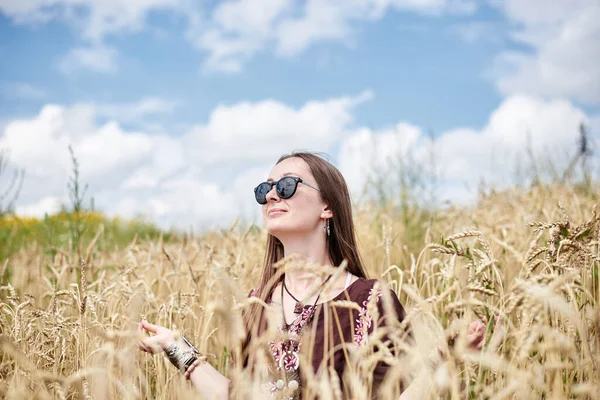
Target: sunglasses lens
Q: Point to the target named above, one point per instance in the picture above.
(286, 188)
(261, 192)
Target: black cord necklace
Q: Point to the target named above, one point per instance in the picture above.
(299, 306)
(286, 326)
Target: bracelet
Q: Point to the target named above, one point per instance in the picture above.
(194, 349)
(179, 358)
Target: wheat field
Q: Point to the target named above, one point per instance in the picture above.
(525, 261)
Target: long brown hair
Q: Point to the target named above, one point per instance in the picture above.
(341, 243)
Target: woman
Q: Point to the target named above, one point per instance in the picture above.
(307, 212)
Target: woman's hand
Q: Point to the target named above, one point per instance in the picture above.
(476, 332)
(160, 339)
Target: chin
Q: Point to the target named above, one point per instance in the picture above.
(278, 229)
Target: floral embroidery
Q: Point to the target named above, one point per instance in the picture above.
(302, 320)
(285, 354)
(285, 369)
(364, 320)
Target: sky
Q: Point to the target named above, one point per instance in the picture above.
(177, 109)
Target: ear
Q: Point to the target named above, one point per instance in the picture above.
(326, 213)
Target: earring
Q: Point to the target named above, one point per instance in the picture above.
(326, 227)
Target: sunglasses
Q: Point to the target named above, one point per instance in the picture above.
(285, 188)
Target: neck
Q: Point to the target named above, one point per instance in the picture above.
(314, 250)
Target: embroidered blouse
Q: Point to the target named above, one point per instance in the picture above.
(323, 328)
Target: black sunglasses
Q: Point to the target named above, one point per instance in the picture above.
(285, 188)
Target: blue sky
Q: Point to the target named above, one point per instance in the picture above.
(205, 88)
(413, 63)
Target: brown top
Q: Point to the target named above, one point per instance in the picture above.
(325, 326)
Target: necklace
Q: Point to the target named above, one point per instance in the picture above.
(298, 307)
(286, 353)
(287, 326)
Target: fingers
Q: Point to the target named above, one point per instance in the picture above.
(142, 347)
(140, 343)
(192, 367)
(475, 326)
(475, 340)
(477, 330)
(476, 345)
(149, 327)
(189, 371)
(150, 345)
(476, 334)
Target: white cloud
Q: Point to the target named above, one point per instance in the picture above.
(95, 18)
(168, 156)
(40, 146)
(46, 205)
(240, 29)
(465, 156)
(332, 19)
(542, 11)
(365, 151)
(594, 127)
(564, 36)
(565, 42)
(205, 178)
(118, 165)
(93, 21)
(201, 179)
(110, 149)
(183, 202)
(230, 33)
(256, 131)
(39, 159)
(320, 20)
(97, 58)
(28, 11)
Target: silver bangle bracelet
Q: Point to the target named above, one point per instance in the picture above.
(179, 358)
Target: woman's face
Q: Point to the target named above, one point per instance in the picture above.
(301, 213)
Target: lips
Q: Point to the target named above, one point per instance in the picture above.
(274, 211)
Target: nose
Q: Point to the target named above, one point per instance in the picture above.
(272, 195)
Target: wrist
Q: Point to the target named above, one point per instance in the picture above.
(181, 353)
(170, 338)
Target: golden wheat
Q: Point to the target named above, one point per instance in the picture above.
(530, 258)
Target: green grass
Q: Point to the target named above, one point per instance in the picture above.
(68, 231)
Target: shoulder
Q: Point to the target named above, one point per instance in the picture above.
(375, 291)
(364, 289)
(363, 284)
